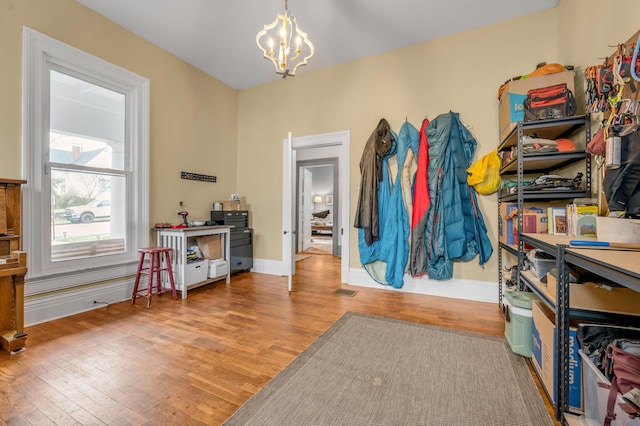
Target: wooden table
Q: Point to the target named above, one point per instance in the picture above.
(176, 238)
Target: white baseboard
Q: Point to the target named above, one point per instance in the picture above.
(267, 266)
(482, 291)
(47, 307)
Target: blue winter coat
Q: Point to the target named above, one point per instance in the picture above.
(374, 257)
(386, 259)
(396, 239)
(455, 226)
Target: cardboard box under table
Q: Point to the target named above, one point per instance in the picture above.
(511, 110)
(210, 246)
(544, 356)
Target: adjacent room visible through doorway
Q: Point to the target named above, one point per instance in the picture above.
(318, 213)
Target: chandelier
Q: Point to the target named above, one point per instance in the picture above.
(293, 46)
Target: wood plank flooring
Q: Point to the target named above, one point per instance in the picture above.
(195, 361)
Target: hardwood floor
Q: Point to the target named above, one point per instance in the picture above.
(196, 361)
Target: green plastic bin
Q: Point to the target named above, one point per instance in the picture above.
(518, 321)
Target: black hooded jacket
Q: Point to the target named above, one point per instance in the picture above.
(622, 185)
(378, 145)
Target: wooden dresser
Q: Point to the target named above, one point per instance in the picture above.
(13, 267)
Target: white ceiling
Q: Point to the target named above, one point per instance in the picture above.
(218, 36)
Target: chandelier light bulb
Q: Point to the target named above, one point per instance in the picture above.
(285, 27)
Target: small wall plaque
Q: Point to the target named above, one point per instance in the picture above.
(196, 176)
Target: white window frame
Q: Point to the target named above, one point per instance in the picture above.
(42, 53)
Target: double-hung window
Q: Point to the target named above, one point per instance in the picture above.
(85, 145)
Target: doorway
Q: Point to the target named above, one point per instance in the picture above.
(318, 206)
(316, 147)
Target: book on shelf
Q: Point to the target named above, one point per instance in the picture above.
(558, 221)
(581, 219)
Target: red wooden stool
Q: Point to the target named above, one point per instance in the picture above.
(154, 268)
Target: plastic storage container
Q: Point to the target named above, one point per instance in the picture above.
(540, 266)
(596, 397)
(217, 268)
(195, 272)
(518, 321)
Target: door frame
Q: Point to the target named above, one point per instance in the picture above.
(337, 222)
(342, 141)
(306, 197)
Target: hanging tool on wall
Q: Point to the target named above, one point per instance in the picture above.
(591, 92)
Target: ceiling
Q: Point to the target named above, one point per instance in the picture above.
(218, 36)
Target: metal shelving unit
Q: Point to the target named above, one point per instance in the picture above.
(540, 163)
(545, 163)
(618, 266)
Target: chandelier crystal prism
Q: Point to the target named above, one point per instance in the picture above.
(292, 44)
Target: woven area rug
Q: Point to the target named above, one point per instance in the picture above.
(368, 370)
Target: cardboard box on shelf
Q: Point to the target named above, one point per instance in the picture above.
(617, 230)
(598, 297)
(511, 110)
(534, 221)
(506, 228)
(230, 204)
(544, 360)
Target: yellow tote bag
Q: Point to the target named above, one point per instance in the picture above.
(484, 174)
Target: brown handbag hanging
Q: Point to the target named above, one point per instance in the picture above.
(625, 368)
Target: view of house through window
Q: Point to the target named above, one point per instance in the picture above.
(87, 168)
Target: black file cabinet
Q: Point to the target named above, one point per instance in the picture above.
(241, 240)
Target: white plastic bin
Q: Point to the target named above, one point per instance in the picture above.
(540, 267)
(596, 397)
(195, 272)
(217, 268)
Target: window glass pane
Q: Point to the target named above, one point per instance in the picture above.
(87, 123)
(89, 214)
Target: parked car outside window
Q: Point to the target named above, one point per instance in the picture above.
(88, 212)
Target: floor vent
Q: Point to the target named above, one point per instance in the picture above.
(346, 292)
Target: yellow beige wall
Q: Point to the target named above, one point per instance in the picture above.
(460, 73)
(192, 116)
